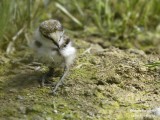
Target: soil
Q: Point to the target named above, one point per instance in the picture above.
(103, 84)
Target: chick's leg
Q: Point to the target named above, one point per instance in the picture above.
(61, 80)
(45, 77)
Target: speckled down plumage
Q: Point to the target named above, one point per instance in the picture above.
(47, 51)
(50, 26)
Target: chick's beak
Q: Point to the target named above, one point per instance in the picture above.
(54, 39)
(57, 45)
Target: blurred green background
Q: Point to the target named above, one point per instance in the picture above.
(121, 23)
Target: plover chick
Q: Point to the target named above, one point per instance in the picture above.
(53, 48)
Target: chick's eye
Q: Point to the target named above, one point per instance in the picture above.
(59, 38)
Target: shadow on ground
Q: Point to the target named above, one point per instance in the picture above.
(22, 81)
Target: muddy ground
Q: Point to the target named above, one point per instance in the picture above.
(103, 84)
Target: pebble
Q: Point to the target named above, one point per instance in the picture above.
(156, 111)
(19, 97)
(49, 118)
(55, 111)
(100, 88)
(13, 90)
(143, 69)
(37, 117)
(22, 109)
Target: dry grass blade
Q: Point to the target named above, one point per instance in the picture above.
(10, 48)
(64, 10)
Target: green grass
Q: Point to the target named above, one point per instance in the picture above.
(118, 20)
(115, 16)
(5, 14)
(153, 65)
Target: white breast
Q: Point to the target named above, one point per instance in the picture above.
(69, 52)
(47, 53)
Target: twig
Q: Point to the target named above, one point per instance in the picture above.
(87, 51)
(10, 48)
(79, 66)
(28, 39)
(18, 33)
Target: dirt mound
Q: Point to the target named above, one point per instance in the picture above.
(103, 84)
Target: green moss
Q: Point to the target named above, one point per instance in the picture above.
(126, 116)
(5, 68)
(98, 87)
